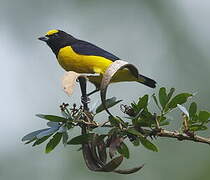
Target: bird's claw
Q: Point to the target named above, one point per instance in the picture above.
(85, 99)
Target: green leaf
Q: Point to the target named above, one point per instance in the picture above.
(48, 132)
(30, 141)
(135, 108)
(163, 98)
(192, 109)
(203, 116)
(124, 124)
(82, 139)
(123, 150)
(147, 115)
(178, 99)
(161, 118)
(147, 144)
(109, 103)
(113, 131)
(136, 142)
(194, 119)
(172, 90)
(52, 118)
(53, 124)
(134, 132)
(62, 128)
(145, 119)
(33, 135)
(114, 121)
(164, 123)
(53, 142)
(156, 101)
(197, 127)
(39, 141)
(143, 101)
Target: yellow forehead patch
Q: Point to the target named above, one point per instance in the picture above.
(51, 32)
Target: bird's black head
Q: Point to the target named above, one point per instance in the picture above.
(57, 39)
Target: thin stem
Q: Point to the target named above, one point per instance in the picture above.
(157, 121)
(92, 92)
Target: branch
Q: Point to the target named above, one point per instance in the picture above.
(84, 98)
(189, 136)
(183, 136)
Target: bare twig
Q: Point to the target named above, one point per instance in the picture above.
(183, 136)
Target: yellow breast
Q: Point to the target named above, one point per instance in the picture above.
(72, 61)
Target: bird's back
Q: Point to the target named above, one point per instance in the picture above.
(86, 48)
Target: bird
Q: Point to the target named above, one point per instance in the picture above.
(84, 57)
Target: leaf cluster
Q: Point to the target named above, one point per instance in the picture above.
(109, 140)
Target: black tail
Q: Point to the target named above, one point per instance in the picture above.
(147, 81)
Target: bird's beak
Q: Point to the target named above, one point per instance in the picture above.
(44, 38)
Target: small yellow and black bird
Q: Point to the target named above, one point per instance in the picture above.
(83, 57)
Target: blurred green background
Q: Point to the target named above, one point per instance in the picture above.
(167, 40)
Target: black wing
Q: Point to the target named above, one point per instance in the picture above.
(86, 48)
